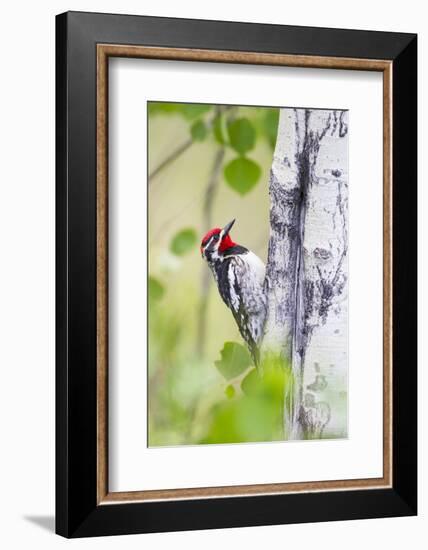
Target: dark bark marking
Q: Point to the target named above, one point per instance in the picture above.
(343, 128)
(314, 416)
(319, 384)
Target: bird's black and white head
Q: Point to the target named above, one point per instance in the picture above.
(216, 243)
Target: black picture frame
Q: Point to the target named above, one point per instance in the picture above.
(77, 511)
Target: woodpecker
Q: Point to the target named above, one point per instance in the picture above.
(239, 274)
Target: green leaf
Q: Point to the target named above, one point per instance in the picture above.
(198, 130)
(156, 289)
(183, 241)
(230, 391)
(270, 124)
(190, 111)
(250, 383)
(242, 174)
(235, 358)
(242, 135)
(218, 128)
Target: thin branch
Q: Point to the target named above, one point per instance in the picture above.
(206, 279)
(171, 158)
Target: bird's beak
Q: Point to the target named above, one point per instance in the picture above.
(228, 227)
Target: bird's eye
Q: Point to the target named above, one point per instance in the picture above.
(216, 237)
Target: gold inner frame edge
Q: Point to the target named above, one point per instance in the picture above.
(104, 51)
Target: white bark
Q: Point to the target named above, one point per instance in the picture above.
(307, 269)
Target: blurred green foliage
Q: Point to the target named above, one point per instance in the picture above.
(183, 241)
(156, 290)
(242, 135)
(235, 358)
(220, 129)
(242, 174)
(256, 413)
(189, 111)
(198, 130)
(270, 122)
(203, 387)
(230, 391)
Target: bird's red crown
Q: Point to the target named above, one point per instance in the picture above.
(226, 241)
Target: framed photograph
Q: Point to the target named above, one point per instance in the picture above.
(236, 274)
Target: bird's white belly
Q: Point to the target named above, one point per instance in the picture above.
(256, 265)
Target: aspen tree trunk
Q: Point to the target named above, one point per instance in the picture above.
(307, 268)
